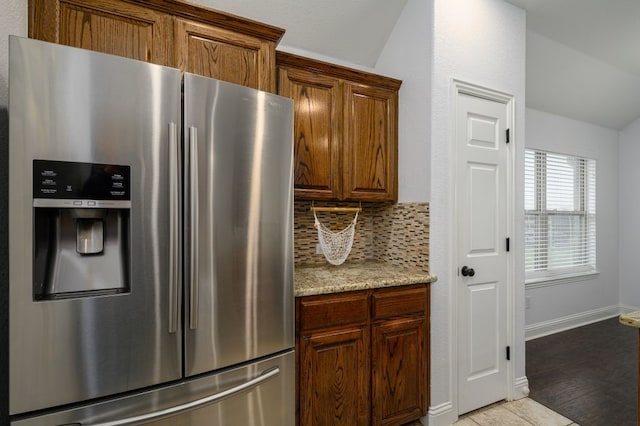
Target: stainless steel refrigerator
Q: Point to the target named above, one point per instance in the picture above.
(150, 244)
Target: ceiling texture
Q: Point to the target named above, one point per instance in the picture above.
(583, 56)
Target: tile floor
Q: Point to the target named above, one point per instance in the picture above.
(523, 412)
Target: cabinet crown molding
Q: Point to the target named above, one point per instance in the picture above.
(338, 71)
(214, 17)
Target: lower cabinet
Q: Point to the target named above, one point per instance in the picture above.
(398, 371)
(362, 357)
(335, 378)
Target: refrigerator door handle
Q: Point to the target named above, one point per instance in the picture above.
(264, 376)
(193, 223)
(174, 228)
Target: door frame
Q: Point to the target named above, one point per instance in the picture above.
(461, 87)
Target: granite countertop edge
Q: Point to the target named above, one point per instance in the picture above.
(313, 280)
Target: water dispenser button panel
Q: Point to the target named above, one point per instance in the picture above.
(73, 184)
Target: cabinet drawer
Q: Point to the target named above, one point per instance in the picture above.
(398, 301)
(332, 310)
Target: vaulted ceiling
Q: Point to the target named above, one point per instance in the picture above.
(583, 59)
(353, 31)
(583, 56)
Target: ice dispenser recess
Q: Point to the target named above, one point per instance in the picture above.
(82, 229)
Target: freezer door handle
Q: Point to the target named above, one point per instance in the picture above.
(174, 227)
(193, 224)
(262, 377)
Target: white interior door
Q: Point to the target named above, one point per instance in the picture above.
(483, 262)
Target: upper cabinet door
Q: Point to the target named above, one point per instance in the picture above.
(108, 26)
(224, 55)
(370, 148)
(317, 130)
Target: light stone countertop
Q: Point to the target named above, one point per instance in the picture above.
(632, 319)
(325, 279)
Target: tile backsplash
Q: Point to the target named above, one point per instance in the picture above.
(395, 233)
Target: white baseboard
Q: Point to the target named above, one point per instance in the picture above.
(545, 328)
(441, 415)
(625, 309)
(521, 387)
(444, 414)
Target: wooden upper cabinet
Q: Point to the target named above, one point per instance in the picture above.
(370, 155)
(317, 131)
(224, 55)
(346, 130)
(108, 26)
(167, 32)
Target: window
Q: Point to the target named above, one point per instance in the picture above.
(560, 215)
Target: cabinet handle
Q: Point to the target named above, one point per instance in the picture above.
(174, 228)
(264, 376)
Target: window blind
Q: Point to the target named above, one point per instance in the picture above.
(560, 214)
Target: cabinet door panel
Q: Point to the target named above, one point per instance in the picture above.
(371, 143)
(399, 371)
(224, 55)
(334, 378)
(107, 26)
(317, 127)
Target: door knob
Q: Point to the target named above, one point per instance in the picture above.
(467, 272)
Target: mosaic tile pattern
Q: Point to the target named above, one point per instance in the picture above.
(402, 235)
(394, 233)
(306, 236)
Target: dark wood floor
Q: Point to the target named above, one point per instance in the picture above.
(588, 374)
